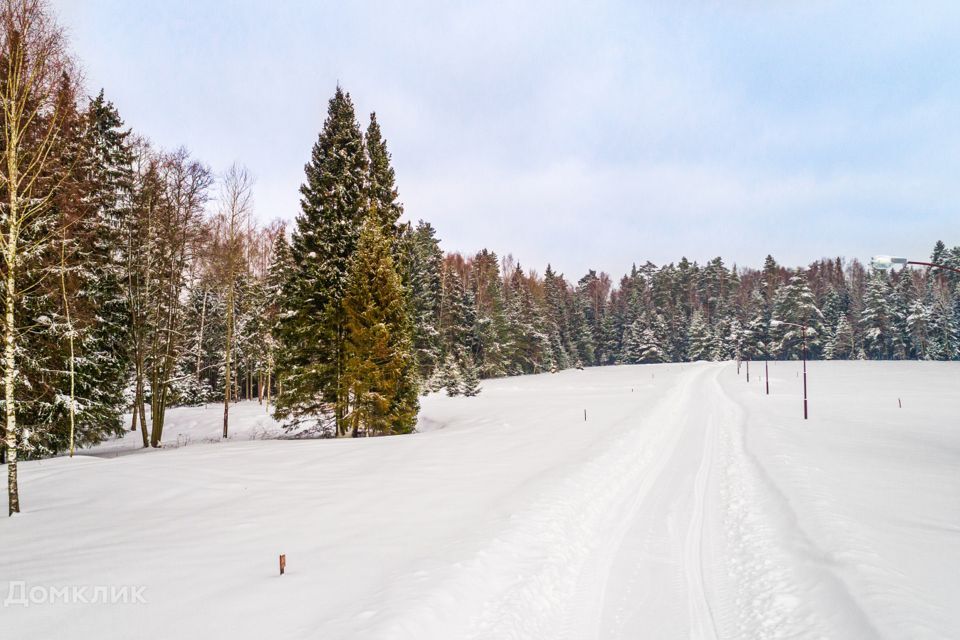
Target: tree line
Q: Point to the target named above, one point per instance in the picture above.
(135, 279)
(506, 321)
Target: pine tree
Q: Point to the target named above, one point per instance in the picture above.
(425, 290)
(530, 350)
(757, 340)
(584, 341)
(278, 276)
(939, 254)
(633, 342)
(378, 352)
(700, 339)
(771, 278)
(732, 340)
(455, 324)
(491, 324)
(101, 371)
(646, 341)
(75, 359)
(382, 187)
(794, 311)
(715, 283)
(918, 327)
(611, 338)
(48, 331)
(876, 319)
(943, 330)
(835, 319)
(471, 377)
(451, 378)
(556, 322)
(841, 344)
(594, 338)
(312, 331)
(386, 210)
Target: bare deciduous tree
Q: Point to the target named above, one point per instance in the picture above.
(232, 237)
(186, 183)
(163, 234)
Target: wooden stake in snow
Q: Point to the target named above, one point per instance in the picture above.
(584, 415)
(899, 404)
(283, 563)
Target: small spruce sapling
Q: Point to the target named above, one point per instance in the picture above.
(452, 378)
(471, 378)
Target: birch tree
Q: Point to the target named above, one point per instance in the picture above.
(232, 233)
(138, 256)
(33, 63)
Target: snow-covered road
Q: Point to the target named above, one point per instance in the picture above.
(666, 501)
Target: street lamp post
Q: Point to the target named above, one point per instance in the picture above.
(883, 263)
(774, 323)
(804, 370)
(766, 372)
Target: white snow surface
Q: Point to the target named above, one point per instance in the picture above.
(688, 504)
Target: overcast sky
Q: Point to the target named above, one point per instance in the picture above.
(588, 135)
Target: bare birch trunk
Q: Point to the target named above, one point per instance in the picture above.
(227, 353)
(10, 372)
(233, 218)
(203, 317)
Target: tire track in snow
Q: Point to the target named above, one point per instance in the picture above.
(674, 427)
(656, 581)
(778, 583)
(701, 617)
(617, 483)
(525, 582)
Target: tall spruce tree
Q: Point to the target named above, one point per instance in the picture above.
(425, 264)
(382, 181)
(943, 329)
(386, 210)
(700, 340)
(841, 343)
(313, 329)
(795, 307)
(876, 319)
(491, 323)
(279, 280)
(377, 348)
(98, 278)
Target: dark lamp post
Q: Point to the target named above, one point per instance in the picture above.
(774, 323)
(883, 263)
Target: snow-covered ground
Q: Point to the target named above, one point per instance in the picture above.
(249, 420)
(688, 504)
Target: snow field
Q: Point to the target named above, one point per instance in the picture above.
(687, 505)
